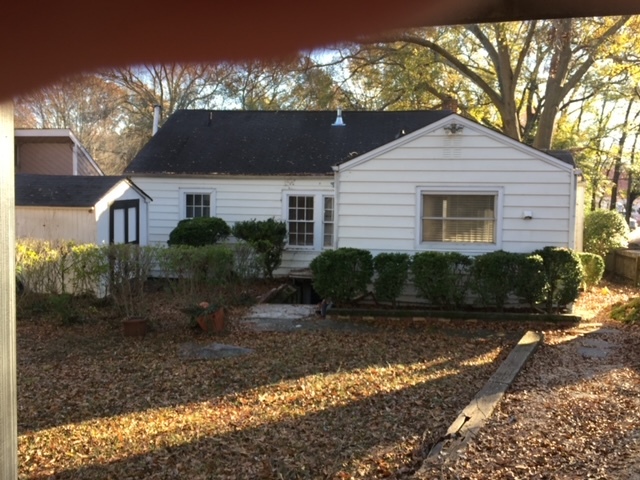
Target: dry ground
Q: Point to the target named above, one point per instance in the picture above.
(334, 405)
(566, 416)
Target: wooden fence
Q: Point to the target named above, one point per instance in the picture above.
(624, 263)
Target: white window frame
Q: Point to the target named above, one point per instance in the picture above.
(333, 222)
(196, 191)
(318, 218)
(472, 247)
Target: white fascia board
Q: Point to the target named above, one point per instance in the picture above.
(142, 193)
(43, 132)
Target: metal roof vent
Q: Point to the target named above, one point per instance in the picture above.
(339, 122)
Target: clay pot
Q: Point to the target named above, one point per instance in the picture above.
(134, 327)
(212, 322)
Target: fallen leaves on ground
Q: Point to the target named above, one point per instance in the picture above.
(330, 404)
(567, 415)
(327, 405)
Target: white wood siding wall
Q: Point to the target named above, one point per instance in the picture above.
(46, 158)
(56, 223)
(378, 206)
(235, 199)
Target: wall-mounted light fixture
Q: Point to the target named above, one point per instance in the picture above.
(454, 128)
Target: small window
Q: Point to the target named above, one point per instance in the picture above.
(300, 219)
(328, 222)
(460, 218)
(197, 205)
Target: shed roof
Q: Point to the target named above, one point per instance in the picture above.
(204, 142)
(64, 190)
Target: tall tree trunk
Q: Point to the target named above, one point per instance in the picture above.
(618, 165)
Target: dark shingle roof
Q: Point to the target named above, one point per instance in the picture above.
(62, 190)
(269, 142)
(563, 155)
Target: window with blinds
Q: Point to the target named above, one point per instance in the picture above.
(461, 218)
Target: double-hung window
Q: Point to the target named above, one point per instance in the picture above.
(196, 203)
(459, 217)
(310, 220)
(301, 220)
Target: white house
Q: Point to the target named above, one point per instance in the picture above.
(382, 181)
(85, 209)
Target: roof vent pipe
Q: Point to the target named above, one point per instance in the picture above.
(339, 122)
(157, 109)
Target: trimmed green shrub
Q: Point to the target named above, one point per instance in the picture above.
(604, 231)
(493, 277)
(563, 276)
(392, 270)
(267, 237)
(199, 231)
(341, 275)
(592, 268)
(441, 277)
(530, 282)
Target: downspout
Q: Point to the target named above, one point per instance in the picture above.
(573, 200)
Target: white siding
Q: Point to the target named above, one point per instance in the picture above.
(236, 199)
(378, 196)
(56, 223)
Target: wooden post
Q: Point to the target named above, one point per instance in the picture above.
(8, 390)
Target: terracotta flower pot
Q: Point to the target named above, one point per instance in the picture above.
(212, 322)
(134, 327)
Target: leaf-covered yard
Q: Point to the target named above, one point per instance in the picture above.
(572, 413)
(323, 404)
(93, 404)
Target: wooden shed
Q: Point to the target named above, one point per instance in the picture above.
(85, 209)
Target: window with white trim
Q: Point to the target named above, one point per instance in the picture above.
(310, 220)
(327, 226)
(194, 203)
(301, 220)
(468, 217)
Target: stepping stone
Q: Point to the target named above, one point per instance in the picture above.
(212, 351)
